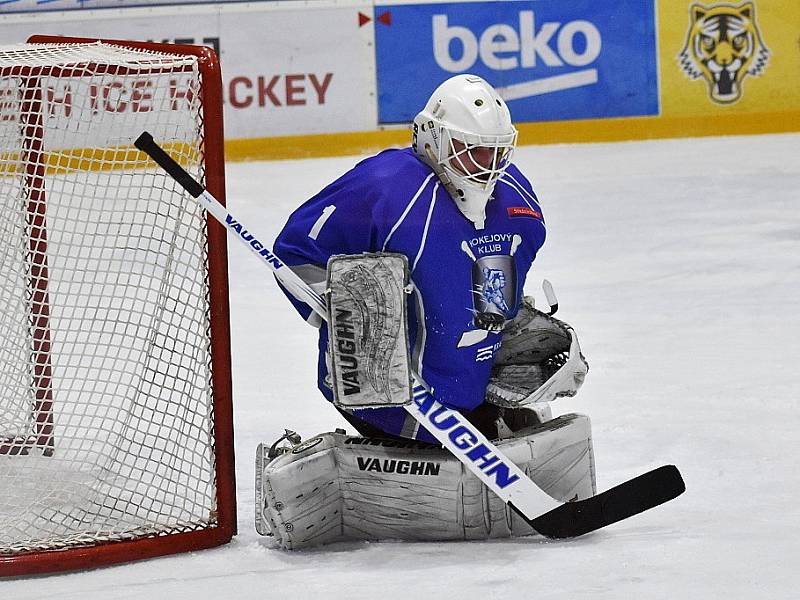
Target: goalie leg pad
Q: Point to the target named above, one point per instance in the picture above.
(336, 488)
(298, 497)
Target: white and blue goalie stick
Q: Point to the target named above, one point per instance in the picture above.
(542, 512)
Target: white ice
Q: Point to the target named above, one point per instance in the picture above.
(678, 262)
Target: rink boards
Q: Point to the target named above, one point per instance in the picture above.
(341, 77)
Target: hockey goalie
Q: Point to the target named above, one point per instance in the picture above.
(421, 255)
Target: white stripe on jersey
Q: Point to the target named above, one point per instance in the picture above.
(520, 189)
(418, 351)
(408, 208)
(427, 225)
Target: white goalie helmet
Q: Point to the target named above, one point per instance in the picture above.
(466, 136)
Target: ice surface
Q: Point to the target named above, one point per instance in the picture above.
(678, 262)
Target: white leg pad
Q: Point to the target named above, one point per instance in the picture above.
(334, 487)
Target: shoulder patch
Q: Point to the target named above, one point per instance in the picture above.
(523, 211)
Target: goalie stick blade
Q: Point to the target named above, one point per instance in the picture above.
(620, 502)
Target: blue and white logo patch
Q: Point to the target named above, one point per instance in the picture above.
(494, 278)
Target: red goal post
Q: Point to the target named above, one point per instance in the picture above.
(115, 393)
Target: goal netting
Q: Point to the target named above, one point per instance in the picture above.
(113, 330)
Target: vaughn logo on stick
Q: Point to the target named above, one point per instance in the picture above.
(251, 239)
(465, 440)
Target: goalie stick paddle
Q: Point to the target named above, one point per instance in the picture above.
(480, 456)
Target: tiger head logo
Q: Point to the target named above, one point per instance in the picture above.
(723, 46)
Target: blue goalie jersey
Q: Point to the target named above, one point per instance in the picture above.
(465, 279)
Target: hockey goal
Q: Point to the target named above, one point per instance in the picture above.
(116, 435)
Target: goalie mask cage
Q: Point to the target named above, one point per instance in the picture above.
(116, 438)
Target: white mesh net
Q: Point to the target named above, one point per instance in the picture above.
(106, 402)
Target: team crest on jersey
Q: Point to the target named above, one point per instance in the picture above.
(494, 279)
(723, 46)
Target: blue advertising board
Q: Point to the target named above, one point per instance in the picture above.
(551, 60)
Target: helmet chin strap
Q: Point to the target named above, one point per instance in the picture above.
(479, 219)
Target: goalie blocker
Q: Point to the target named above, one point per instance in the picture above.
(334, 487)
(368, 324)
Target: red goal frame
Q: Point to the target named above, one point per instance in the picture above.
(111, 552)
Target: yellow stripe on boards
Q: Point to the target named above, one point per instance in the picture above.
(317, 145)
(551, 132)
(61, 162)
(371, 142)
